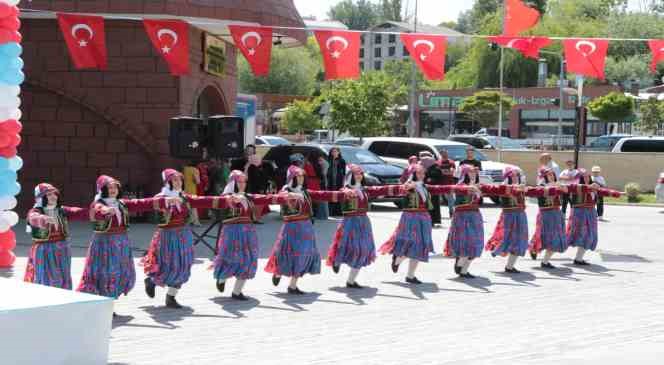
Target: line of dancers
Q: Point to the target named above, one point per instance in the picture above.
(109, 266)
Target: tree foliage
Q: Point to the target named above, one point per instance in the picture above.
(612, 107)
(363, 14)
(483, 107)
(301, 116)
(361, 107)
(652, 115)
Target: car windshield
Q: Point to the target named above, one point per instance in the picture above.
(458, 153)
(359, 156)
(506, 143)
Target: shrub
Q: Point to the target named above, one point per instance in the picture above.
(633, 190)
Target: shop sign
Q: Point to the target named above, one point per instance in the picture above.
(433, 101)
(214, 55)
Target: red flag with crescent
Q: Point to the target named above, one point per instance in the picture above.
(528, 46)
(657, 48)
(586, 56)
(255, 43)
(428, 52)
(341, 53)
(171, 39)
(85, 38)
(519, 17)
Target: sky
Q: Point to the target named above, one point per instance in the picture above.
(432, 12)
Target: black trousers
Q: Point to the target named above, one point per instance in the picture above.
(435, 212)
(600, 206)
(564, 201)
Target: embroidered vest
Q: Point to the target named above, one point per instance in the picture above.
(105, 225)
(231, 214)
(164, 216)
(353, 205)
(548, 201)
(42, 234)
(288, 211)
(412, 200)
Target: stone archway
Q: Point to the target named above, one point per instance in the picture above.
(210, 101)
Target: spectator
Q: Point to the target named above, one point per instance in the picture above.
(448, 167)
(335, 176)
(599, 180)
(251, 165)
(547, 161)
(192, 178)
(567, 177)
(470, 159)
(434, 176)
(323, 207)
(408, 172)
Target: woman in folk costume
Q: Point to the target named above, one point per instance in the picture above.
(109, 265)
(412, 237)
(465, 239)
(294, 252)
(582, 227)
(353, 242)
(171, 252)
(237, 248)
(49, 261)
(549, 233)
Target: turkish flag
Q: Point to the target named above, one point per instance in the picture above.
(171, 39)
(586, 56)
(657, 48)
(519, 17)
(341, 53)
(428, 52)
(85, 38)
(255, 43)
(528, 46)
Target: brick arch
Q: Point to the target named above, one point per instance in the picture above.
(145, 140)
(215, 97)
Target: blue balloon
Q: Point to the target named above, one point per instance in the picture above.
(15, 163)
(4, 163)
(12, 78)
(8, 175)
(12, 49)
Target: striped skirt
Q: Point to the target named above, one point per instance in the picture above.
(510, 235)
(466, 235)
(50, 264)
(549, 232)
(109, 266)
(412, 237)
(294, 252)
(237, 252)
(582, 228)
(170, 257)
(353, 243)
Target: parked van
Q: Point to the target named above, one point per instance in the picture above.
(640, 144)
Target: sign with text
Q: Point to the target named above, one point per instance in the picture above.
(214, 55)
(436, 101)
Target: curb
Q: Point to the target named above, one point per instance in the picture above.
(636, 205)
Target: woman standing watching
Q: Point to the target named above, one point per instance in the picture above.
(335, 176)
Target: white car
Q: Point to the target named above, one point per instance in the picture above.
(639, 144)
(396, 150)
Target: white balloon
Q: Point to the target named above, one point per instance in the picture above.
(10, 102)
(9, 217)
(8, 91)
(10, 113)
(7, 202)
(10, 2)
(4, 226)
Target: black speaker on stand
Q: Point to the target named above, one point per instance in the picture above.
(186, 138)
(225, 136)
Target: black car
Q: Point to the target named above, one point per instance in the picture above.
(377, 172)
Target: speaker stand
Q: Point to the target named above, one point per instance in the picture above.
(207, 234)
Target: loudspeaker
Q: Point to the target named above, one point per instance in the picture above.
(225, 136)
(186, 138)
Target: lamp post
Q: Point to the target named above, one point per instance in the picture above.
(580, 117)
(413, 88)
(561, 83)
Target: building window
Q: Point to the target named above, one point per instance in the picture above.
(392, 51)
(361, 52)
(362, 39)
(378, 39)
(378, 52)
(405, 51)
(362, 66)
(377, 65)
(393, 38)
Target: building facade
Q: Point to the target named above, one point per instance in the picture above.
(378, 49)
(78, 124)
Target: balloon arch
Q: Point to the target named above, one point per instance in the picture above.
(11, 77)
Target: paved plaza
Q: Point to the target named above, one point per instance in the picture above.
(609, 313)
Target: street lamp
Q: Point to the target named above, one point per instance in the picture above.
(580, 113)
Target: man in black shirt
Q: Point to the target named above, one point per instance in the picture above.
(470, 159)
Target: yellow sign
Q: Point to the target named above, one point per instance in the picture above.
(214, 55)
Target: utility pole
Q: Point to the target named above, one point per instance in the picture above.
(499, 145)
(413, 87)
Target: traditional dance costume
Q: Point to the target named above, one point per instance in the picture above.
(109, 264)
(353, 242)
(582, 228)
(49, 261)
(171, 253)
(412, 237)
(294, 252)
(465, 239)
(237, 248)
(549, 235)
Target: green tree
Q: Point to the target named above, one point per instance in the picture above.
(356, 15)
(652, 115)
(623, 70)
(391, 10)
(612, 107)
(399, 74)
(483, 107)
(301, 116)
(361, 107)
(293, 71)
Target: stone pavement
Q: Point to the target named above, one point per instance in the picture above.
(608, 313)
